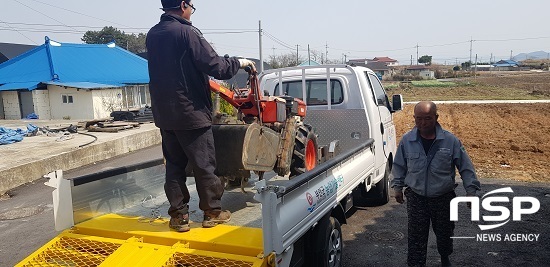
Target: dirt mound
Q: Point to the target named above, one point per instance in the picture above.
(504, 140)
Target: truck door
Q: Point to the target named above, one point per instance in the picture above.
(387, 128)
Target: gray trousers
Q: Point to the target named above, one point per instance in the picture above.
(195, 147)
(421, 211)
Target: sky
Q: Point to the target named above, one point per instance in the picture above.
(345, 29)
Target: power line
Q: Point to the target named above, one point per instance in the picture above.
(286, 44)
(42, 13)
(119, 28)
(79, 13)
(276, 40)
(512, 39)
(19, 32)
(374, 51)
(42, 31)
(449, 44)
(227, 32)
(72, 26)
(74, 30)
(232, 46)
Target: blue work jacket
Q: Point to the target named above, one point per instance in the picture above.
(432, 174)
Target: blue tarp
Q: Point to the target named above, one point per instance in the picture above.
(10, 136)
(32, 116)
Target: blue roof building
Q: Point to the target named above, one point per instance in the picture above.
(506, 63)
(77, 81)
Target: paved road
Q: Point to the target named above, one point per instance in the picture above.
(374, 236)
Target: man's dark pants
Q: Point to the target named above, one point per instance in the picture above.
(421, 211)
(197, 148)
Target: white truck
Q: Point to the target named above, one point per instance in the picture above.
(286, 222)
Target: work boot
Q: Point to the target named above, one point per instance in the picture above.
(215, 217)
(445, 261)
(180, 223)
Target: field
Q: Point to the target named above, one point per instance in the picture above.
(495, 85)
(507, 141)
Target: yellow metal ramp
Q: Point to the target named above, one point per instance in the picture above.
(116, 240)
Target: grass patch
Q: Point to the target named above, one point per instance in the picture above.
(433, 83)
(391, 86)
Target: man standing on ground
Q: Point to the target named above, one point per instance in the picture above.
(180, 61)
(425, 163)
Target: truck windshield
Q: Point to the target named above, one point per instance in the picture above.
(316, 91)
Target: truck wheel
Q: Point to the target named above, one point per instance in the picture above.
(380, 194)
(327, 244)
(304, 157)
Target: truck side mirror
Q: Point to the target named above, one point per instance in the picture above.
(397, 103)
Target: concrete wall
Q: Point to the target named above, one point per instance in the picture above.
(106, 101)
(41, 100)
(12, 111)
(76, 157)
(81, 108)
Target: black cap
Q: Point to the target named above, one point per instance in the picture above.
(172, 4)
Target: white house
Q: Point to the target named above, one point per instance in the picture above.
(73, 81)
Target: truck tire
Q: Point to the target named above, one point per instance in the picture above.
(327, 244)
(380, 194)
(305, 156)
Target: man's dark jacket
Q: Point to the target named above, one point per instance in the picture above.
(180, 61)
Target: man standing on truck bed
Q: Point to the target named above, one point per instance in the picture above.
(180, 60)
(425, 163)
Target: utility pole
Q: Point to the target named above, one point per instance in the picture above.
(416, 53)
(491, 59)
(297, 57)
(511, 54)
(308, 56)
(273, 50)
(475, 68)
(411, 60)
(471, 41)
(260, 36)
(326, 51)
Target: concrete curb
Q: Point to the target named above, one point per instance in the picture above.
(28, 172)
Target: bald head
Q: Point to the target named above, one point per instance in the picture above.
(426, 107)
(425, 118)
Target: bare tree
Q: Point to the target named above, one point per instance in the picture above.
(111, 100)
(285, 60)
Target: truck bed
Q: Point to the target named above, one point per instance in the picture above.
(245, 210)
(120, 217)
